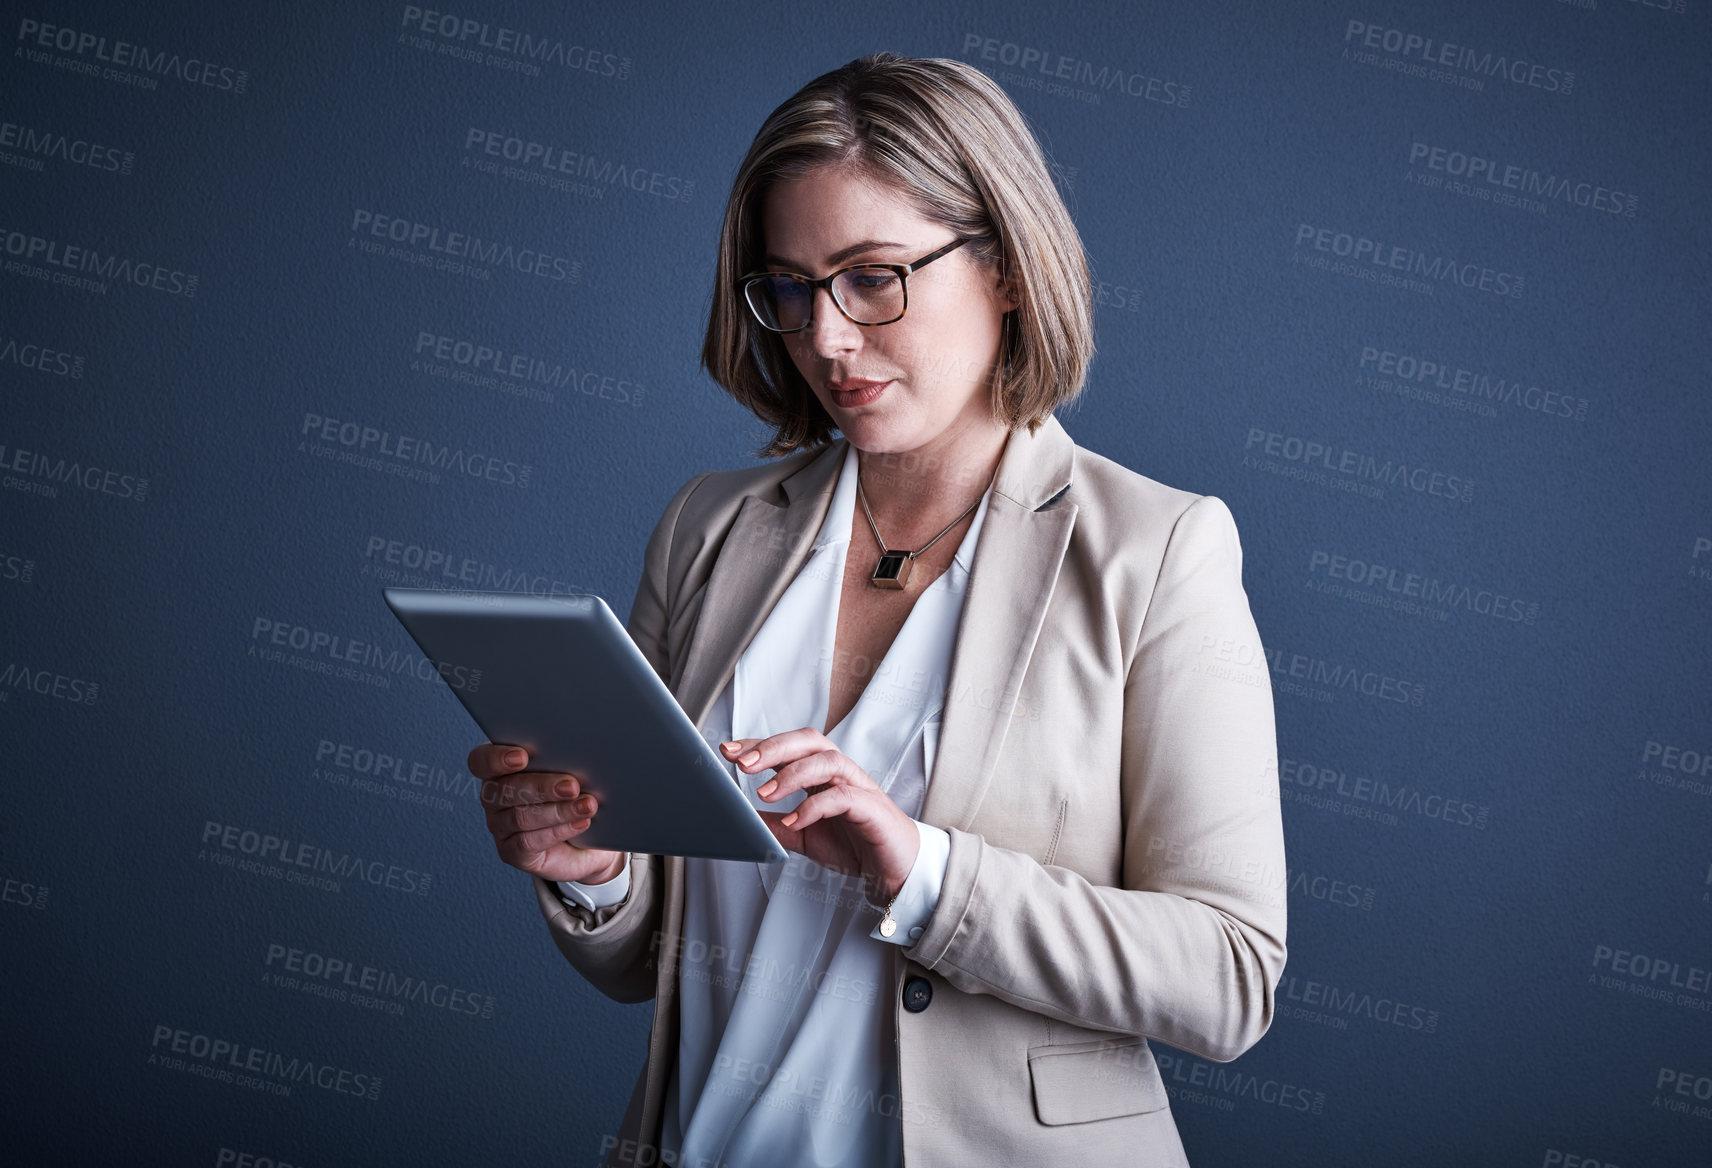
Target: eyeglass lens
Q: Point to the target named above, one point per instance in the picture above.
(868, 295)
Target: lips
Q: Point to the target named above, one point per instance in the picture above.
(855, 391)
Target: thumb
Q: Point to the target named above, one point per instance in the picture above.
(789, 838)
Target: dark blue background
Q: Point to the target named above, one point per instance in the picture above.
(116, 920)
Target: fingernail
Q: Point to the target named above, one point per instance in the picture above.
(766, 788)
(728, 745)
(565, 789)
(514, 758)
(789, 819)
(750, 759)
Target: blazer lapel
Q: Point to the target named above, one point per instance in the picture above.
(1010, 585)
(767, 544)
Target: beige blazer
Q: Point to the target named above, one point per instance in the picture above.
(1107, 772)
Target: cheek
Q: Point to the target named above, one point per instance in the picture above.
(801, 353)
(940, 352)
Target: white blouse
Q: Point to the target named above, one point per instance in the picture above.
(788, 1049)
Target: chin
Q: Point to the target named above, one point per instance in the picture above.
(875, 436)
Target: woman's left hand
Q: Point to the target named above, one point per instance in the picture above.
(845, 822)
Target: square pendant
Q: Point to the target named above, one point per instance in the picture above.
(892, 571)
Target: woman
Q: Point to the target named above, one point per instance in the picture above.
(1046, 823)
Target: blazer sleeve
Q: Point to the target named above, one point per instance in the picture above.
(613, 946)
(1190, 949)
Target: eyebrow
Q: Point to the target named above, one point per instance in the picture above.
(838, 257)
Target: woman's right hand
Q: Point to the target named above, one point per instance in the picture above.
(534, 815)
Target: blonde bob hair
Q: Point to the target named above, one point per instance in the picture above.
(949, 140)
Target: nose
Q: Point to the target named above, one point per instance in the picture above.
(831, 332)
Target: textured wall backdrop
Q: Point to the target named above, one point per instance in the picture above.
(303, 302)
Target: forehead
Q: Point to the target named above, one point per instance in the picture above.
(809, 219)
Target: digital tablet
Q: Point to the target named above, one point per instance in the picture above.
(560, 677)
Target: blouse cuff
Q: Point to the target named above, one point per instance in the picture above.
(920, 891)
(593, 896)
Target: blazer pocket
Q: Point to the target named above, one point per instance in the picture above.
(1084, 1081)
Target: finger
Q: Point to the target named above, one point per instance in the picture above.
(758, 754)
(736, 747)
(530, 859)
(492, 759)
(828, 767)
(529, 787)
(513, 790)
(531, 816)
(527, 843)
(789, 839)
(833, 801)
(830, 850)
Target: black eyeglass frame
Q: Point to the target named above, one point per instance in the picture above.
(903, 272)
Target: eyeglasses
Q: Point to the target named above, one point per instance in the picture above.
(867, 294)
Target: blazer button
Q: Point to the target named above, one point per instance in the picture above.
(918, 992)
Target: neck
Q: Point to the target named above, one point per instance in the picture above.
(917, 492)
